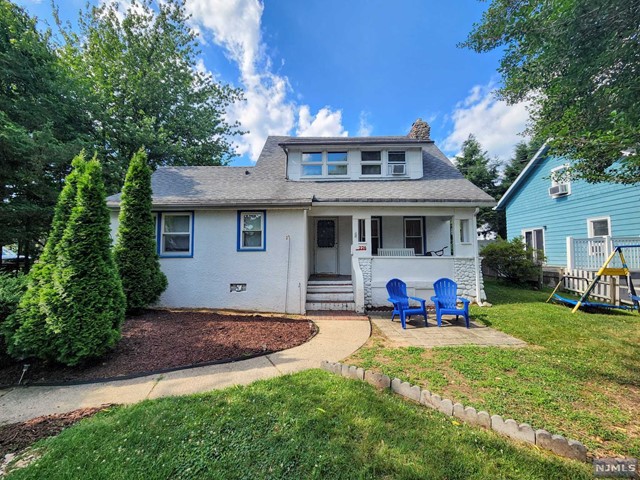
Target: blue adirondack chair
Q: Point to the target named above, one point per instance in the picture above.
(397, 290)
(446, 300)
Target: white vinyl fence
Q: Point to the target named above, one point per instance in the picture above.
(591, 253)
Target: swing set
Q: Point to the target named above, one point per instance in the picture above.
(604, 270)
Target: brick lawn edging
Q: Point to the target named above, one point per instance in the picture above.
(508, 427)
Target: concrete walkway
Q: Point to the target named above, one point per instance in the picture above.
(337, 338)
(451, 333)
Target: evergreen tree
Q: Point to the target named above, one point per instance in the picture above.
(474, 163)
(87, 303)
(26, 331)
(135, 250)
(523, 153)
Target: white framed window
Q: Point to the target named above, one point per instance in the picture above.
(534, 241)
(312, 164)
(599, 226)
(371, 162)
(396, 163)
(325, 164)
(337, 163)
(252, 230)
(560, 183)
(414, 234)
(176, 234)
(465, 235)
(362, 230)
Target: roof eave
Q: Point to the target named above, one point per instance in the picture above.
(502, 204)
(407, 142)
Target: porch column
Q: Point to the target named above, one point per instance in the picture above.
(570, 253)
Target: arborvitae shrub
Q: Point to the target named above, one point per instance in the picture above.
(135, 251)
(86, 301)
(26, 331)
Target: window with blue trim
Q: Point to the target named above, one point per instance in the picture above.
(176, 233)
(251, 230)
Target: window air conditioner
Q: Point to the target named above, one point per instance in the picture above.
(558, 190)
(397, 169)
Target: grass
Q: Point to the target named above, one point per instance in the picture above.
(579, 375)
(307, 425)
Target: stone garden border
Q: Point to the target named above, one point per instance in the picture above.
(508, 427)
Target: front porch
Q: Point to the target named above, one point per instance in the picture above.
(361, 249)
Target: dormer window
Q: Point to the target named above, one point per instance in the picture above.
(371, 162)
(397, 163)
(322, 164)
(312, 163)
(337, 163)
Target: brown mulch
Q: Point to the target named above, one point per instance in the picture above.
(18, 436)
(165, 339)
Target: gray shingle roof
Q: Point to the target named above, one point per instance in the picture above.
(265, 184)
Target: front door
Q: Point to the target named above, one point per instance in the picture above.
(326, 245)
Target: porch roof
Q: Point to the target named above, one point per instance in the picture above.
(266, 185)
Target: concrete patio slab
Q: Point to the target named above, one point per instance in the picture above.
(451, 333)
(336, 339)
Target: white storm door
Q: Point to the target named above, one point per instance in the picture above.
(326, 245)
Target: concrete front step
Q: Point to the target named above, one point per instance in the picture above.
(330, 297)
(329, 282)
(330, 289)
(351, 306)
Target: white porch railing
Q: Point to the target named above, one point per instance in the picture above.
(591, 253)
(396, 252)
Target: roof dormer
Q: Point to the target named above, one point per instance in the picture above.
(369, 158)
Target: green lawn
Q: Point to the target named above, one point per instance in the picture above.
(308, 425)
(579, 376)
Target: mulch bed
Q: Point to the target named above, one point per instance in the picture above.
(18, 436)
(165, 339)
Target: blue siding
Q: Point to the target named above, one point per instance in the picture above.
(532, 207)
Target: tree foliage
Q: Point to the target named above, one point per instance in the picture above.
(140, 70)
(512, 261)
(74, 306)
(524, 151)
(476, 166)
(135, 250)
(87, 303)
(43, 123)
(26, 331)
(578, 62)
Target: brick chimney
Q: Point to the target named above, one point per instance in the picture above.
(420, 130)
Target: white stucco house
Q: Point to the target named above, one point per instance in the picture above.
(316, 224)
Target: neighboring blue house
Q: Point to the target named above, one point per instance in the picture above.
(545, 212)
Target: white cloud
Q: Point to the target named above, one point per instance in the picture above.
(496, 125)
(326, 123)
(365, 128)
(267, 110)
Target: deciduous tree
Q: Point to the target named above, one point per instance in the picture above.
(578, 63)
(141, 71)
(43, 124)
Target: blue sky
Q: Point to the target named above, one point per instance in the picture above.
(357, 67)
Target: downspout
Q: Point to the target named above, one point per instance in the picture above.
(286, 290)
(476, 256)
(286, 163)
